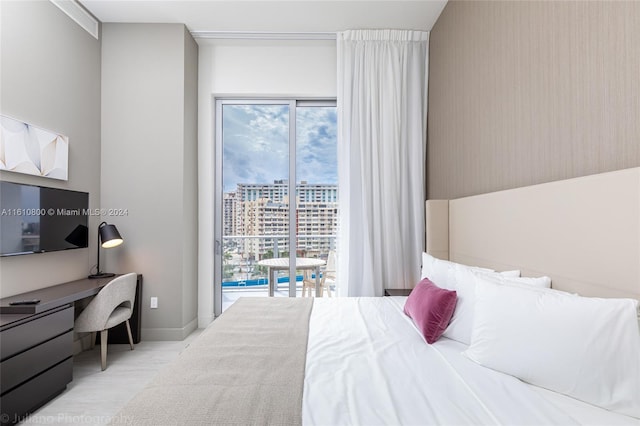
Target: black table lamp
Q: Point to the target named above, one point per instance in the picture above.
(110, 237)
(79, 237)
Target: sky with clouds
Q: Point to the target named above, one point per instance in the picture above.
(256, 144)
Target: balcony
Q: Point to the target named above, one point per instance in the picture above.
(241, 254)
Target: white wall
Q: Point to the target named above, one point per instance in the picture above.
(190, 183)
(148, 163)
(248, 68)
(268, 68)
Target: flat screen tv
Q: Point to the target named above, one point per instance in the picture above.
(37, 219)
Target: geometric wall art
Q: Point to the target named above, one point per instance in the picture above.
(28, 149)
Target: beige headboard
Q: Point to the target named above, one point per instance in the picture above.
(584, 233)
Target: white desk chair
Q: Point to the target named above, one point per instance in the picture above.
(113, 305)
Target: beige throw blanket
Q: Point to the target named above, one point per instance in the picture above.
(247, 368)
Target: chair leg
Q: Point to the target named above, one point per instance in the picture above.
(129, 333)
(94, 336)
(103, 348)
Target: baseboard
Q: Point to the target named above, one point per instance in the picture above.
(81, 343)
(204, 321)
(168, 334)
(189, 328)
(158, 334)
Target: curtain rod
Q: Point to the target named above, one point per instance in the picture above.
(263, 35)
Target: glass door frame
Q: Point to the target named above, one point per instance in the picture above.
(218, 183)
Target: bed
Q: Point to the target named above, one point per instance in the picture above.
(363, 361)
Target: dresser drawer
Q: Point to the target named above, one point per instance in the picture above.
(32, 394)
(40, 328)
(18, 369)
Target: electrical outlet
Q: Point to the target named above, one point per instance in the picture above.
(154, 303)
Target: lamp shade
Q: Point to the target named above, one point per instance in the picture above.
(79, 237)
(109, 236)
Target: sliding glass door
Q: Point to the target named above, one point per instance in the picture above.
(269, 223)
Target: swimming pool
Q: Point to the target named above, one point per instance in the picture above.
(260, 281)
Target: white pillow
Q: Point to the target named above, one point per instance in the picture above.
(441, 272)
(465, 280)
(511, 274)
(587, 348)
(436, 270)
(501, 278)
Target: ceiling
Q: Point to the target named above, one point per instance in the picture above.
(295, 16)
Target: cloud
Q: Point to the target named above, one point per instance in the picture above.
(316, 145)
(256, 149)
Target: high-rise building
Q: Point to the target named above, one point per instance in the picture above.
(275, 192)
(228, 222)
(263, 210)
(267, 219)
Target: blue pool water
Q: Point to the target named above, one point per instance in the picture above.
(260, 281)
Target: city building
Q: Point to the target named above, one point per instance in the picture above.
(262, 210)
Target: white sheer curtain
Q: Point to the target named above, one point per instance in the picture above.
(382, 120)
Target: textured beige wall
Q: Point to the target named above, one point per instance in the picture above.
(529, 92)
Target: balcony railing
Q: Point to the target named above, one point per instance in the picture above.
(241, 254)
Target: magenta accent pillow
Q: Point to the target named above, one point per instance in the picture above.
(430, 307)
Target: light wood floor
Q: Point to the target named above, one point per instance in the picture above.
(94, 396)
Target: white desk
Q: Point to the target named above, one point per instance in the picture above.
(282, 264)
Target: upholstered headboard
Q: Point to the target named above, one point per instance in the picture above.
(584, 233)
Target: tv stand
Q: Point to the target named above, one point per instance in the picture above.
(36, 344)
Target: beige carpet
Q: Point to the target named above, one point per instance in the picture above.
(247, 368)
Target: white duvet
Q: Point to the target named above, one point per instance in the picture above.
(368, 365)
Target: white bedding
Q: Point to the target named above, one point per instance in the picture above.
(368, 365)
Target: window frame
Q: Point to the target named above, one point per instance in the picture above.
(218, 208)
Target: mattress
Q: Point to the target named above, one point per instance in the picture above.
(367, 364)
